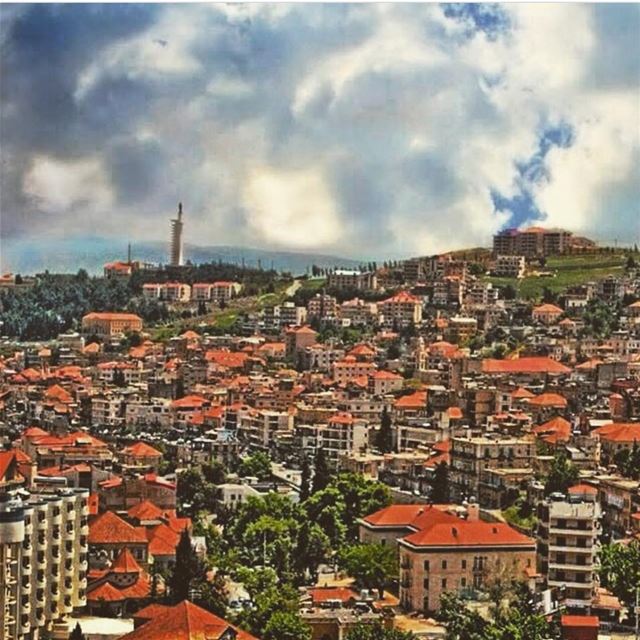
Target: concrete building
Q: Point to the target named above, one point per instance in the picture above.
(110, 325)
(43, 561)
(402, 309)
(352, 279)
(568, 533)
(509, 266)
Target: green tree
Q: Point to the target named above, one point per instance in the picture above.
(375, 631)
(461, 623)
(285, 625)
(188, 571)
(620, 570)
(384, 435)
(280, 598)
(440, 484)
(312, 547)
(321, 473)
(372, 565)
(257, 465)
(562, 475)
(77, 634)
(305, 479)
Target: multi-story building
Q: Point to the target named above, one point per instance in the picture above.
(43, 560)
(109, 325)
(509, 266)
(322, 306)
(402, 309)
(532, 242)
(470, 456)
(358, 312)
(169, 291)
(568, 530)
(441, 552)
(352, 279)
(221, 291)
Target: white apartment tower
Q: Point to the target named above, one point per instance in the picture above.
(43, 560)
(176, 239)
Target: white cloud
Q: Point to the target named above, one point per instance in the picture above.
(291, 207)
(61, 186)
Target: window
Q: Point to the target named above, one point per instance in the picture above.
(464, 564)
(444, 583)
(463, 582)
(444, 564)
(426, 565)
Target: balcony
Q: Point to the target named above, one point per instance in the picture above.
(570, 583)
(564, 549)
(572, 532)
(565, 566)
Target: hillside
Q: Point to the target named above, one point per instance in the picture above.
(569, 271)
(67, 255)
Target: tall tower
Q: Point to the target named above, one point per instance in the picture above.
(175, 257)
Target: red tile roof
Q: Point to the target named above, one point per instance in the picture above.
(549, 400)
(619, 432)
(416, 400)
(185, 621)
(141, 450)
(408, 515)
(145, 510)
(108, 528)
(468, 534)
(105, 592)
(322, 594)
(533, 364)
(580, 621)
(125, 563)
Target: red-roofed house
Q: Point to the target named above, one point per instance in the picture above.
(383, 382)
(617, 436)
(185, 621)
(459, 555)
(109, 534)
(532, 366)
(546, 313)
(141, 454)
(402, 309)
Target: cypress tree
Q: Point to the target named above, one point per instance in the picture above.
(305, 484)
(321, 476)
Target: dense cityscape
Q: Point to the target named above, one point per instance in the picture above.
(440, 447)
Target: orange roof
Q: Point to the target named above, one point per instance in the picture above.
(582, 488)
(549, 400)
(322, 594)
(556, 430)
(34, 432)
(125, 563)
(231, 359)
(407, 515)
(619, 432)
(547, 308)
(362, 350)
(342, 417)
(454, 413)
(163, 540)
(7, 459)
(56, 392)
(386, 375)
(522, 393)
(102, 315)
(589, 364)
(466, 533)
(108, 528)
(106, 592)
(416, 400)
(185, 621)
(141, 450)
(145, 510)
(403, 297)
(580, 621)
(533, 364)
(189, 402)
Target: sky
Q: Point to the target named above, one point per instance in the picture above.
(365, 130)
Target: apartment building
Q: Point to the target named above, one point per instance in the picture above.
(509, 266)
(168, 291)
(258, 428)
(322, 306)
(352, 279)
(470, 456)
(532, 242)
(568, 530)
(220, 291)
(43, 561)
(402, 309)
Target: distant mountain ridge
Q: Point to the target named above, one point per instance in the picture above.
(67, 255)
